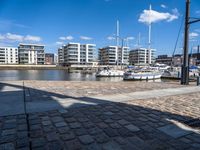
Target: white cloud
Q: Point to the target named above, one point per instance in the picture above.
(193, 35)
(163, 6)
(130, 38)
(85, 38)
(14, 37)
(2, 37)
(66, 38)
(152, 16)
(59, 43)
(110, 38)
(9, 37)
(32, 38)
(197, 12)
(175, 12)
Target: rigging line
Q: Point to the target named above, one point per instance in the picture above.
(178, 37)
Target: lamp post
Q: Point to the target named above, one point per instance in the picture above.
(185, 66)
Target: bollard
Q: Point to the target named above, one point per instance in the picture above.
(198, 81)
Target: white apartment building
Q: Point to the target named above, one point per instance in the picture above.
(8, 55)
(141, 56)
(114, 55)
(76, 53)
(31, 54)
(61, 55)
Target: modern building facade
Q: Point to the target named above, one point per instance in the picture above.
(164, 59)
(76, 53)
(55, 59)
(8, 55)
(49, 58)
(31, 54)
(140, 56)
(61, 55)
(114, 55)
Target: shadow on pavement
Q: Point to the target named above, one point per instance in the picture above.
(110, 125)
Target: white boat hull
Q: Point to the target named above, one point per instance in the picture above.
(110, 73)
(142, 77)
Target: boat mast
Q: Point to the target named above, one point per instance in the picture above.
(117, 42)
(149, 43)
(117, 35)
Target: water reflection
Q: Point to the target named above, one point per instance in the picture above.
(56, 75)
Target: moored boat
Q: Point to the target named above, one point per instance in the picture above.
(107, 72)
(142, 75)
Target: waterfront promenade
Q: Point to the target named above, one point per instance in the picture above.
(98, 115)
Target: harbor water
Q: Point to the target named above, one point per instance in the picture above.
(53, 75)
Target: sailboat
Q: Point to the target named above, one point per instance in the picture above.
(144, 73)
(111, 72)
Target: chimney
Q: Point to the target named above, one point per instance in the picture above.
(198, 49)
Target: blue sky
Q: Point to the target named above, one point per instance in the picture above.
(56, 22)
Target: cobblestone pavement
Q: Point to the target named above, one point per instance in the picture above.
(78, 88)
(134, 125)
(157, 123)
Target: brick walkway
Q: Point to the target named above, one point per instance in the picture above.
(156, 123)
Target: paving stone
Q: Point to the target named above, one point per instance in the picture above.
(22, 127)
(125, 132)
(70, 120)
(23, 148)
(63, 111)
(101, 138)
(57, 119)
(35, 127)
(196, 145)
(108, 113)
(60, 124)
(23, 142)
(46, 122)
(109, 121)
(80, 131)
(75, 125)
(73, 145)
(102, 125)
(49, 128)
(36, 133)
(94, 131)
(52, 136)
(34, 121)
(7, 146)
(138, 142)
(45, 118)
(7, 139)
(9, 125)
(82, 119)
(120, 140)
(111, 132)
(123, 122)
(115, 125)
(86, 139)
(55, 145)
(132, 128)
(88, 125)
(8, 132)
(110, 146)
(93, 146)
(68, 136)
(174, 131)
(38, 142)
